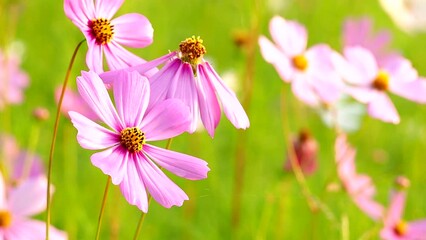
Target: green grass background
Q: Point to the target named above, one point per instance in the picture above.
(272, 205)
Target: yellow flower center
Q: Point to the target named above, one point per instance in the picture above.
(133, 139)
(192, 51)
(401, 228)
(102, 30)
(5, 219)
(300, 62)
(381, 82)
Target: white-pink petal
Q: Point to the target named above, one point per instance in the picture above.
(413, 90)
(133, 30)
(32, 229)
(107, 8)
(290, 36)
(364, 63)
(381, 107)
(112, 162)
(118, 57)
(277, 58)
(34, 189)
(304, 91)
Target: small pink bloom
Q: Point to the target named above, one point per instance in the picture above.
(18, 204)
(306, 150)
(395, 228)
(370, 83)
(359, 186)
(125, 153)
(106, 35)
(311, 72)
(74, 102)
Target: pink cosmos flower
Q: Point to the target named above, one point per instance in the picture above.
(190, 78)
(74, 102)
(395, 228)
(12, 79)
(126, 155)
(359, 186)
(310, 71)
(105, 35)
(306, 150)
(18, 204)
(370, 83)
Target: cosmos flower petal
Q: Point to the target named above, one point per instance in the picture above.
(34, 189)
(413, 90)
(131, 95)
(365, 63)
(304, 91)
(168, 119)
(80, 12)
(209, 106)
(118, 57)
(162, 189)
(180, 164)
(2, 192)
(381, 107)
(107, 8)
(94, 56)
(133, 30)
(396, 208)
(347, 71)
(93, 91)
(132, 186)
(233, 109)
(417, 229)
(32, 229)
(92, 135)
(275, 56)
(370, 207)
(363, 95)
(290, 36)
(112, 162)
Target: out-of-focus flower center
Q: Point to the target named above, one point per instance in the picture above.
(192, 50)
(5, 219)
(133, 139)
(102, 30)
(300, 62)
(381, 82)
(401, 228)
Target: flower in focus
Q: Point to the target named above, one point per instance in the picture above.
(12, 79)
(408, 15)
(106, 35)
(310, 71)
(395, 227)
(126, 155)
(371, 82)
(72, 101)
(189, 77)
(18, 204)
(306, 151)
(359, 186)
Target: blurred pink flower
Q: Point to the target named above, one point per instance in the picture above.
(12, 79)
(104, 35)
(74, 102)
(306, 150)
(370, 83)
(190, 78)
(311, 72)
(395, 228)
(125, 155)
(18, 204)
(359, 186)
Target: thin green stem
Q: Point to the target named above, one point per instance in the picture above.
(142, 219)
(55, 132)
(101, 213)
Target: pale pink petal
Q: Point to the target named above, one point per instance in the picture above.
(80, 12)
(417, 229)
(396, 208)
(361, 94)
(370, 207)
(133, 30)
(414, 90)
(91, 135)
(107, 8)
(400, 70)
(72, 101)
(233, 109)
(2, 192)
(93, 91)
(304, 91)
(356, 31)
(25, 158)
(32, 229)
(112, 162)
(94, 54)
(276, 57)
(180, 164)
(162, 189)
(131, 95)
(34, 189)
(347, 71)
(118, 57)
(364, 62)
(381, 107)
(290, 36)
(132, 186)
(166, 120)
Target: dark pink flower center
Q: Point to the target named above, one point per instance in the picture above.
(101, 30)
(133, 139)
(300, 62)
(381, 82)
(401, 228)
(5, 219)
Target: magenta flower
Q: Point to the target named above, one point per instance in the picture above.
(359, 186)
(370, 83)
(126, 155)
(106, 35)
(310, 71)
(395, 228)
(18, 204)
(74, 102)
(190, 78)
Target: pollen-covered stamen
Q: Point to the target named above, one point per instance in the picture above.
(5, 218)
(192, 50)
(300, 62)
(102, 30)
(381, 82)
(133, 139)
(401, 228)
